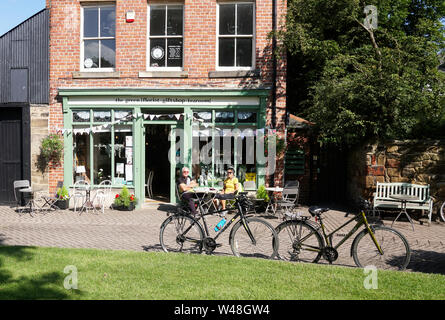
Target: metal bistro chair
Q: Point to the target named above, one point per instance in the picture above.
(79, 192)
(19, 184)
(103, 193)
(289, 200)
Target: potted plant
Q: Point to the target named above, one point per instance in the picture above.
(63, 198)
(125, 201)
(262, 194)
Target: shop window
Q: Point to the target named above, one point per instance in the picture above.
(102, 116)
(81, 116)
(165, 36)
(236, 35)
(123, 155)
(247, 117)
(102, 156)
(204, 116)
(81, 163)
(98, 38)
(224, 117)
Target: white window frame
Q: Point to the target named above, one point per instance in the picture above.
(149, 67)
(253, 36)
(82, 39)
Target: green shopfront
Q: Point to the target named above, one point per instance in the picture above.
(108, 135)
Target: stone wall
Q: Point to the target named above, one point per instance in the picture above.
(412, 161)
(39, 130)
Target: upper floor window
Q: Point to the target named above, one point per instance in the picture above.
(165, 42)
(236, 28)
(98, 38)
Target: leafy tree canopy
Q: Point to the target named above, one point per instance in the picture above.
(357, 82)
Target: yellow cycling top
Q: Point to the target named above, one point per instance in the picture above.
(229, 185)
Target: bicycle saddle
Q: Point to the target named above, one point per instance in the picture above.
(316, 211)
(226, 196)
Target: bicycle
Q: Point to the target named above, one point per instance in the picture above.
(249, 236)
(304, 240)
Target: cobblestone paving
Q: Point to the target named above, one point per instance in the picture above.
(139, 230)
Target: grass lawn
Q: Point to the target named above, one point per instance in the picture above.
(38, 273)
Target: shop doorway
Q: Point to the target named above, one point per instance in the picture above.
(157, 148)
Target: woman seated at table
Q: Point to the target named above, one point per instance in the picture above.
(231, 185)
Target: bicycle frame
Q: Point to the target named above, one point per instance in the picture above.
(227, 225)
(361, 220)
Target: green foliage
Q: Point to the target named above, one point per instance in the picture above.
(262, 193)
(125, 198)
(62, 193)
(51, 148)
(357, 83)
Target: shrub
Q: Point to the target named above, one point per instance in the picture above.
(262, 193)
(62, 193)
(125, 198)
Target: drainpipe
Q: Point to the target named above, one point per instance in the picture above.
(274, 76)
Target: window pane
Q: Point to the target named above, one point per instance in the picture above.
(91, 54)
(227, 19)
(102, 156)
(122, 114)
(245, 19)
(244, 52)
(224, 117)
(157, 53)
(206, 116)
(123, 155)
(174, 52)
(81, 159)
(108, 51)
(226, 52)
(246, 117)
(174, 20)
(107, 22)
(157, 21)
(102, 116)
(81, 116)
(90, 22)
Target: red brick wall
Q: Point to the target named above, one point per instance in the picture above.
(131, 55)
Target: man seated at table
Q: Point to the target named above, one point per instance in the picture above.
(231, 185)
(185, 183)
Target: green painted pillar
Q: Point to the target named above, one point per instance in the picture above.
(139, 152)
(261, 176)
(68, 145)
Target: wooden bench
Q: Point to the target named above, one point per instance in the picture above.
(382, 197)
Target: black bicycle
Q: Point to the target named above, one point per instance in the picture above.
(307, 241)
(249, 237)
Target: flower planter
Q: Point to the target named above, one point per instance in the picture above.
(123, 208)
(62, 204)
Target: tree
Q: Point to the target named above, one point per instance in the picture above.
(357, 82)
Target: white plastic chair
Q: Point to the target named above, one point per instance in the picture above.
(103, 193)
(79, 192)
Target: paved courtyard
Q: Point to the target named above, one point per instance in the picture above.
(139, 230)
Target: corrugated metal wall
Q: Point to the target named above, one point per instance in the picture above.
(26, 47)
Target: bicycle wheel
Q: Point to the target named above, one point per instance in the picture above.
(266, 239)
(299, 241)
(442, 212)
(181, 234)
(396, 252)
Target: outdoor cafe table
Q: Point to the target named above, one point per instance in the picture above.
(272, 198)
(404, 198)
(88, 204)
(31, 203)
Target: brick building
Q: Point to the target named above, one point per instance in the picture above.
(127, 75)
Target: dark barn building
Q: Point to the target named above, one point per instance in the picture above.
(24, 99)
